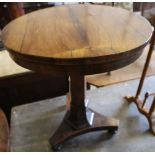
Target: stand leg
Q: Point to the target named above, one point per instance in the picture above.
(136, 100)
(146, 65)
(79, 119)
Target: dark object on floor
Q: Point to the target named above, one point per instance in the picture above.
(29, 87)
(4, 132)
(1, 46)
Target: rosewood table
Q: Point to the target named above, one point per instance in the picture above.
(77, 40)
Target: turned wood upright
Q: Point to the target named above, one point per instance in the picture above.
(77, 40)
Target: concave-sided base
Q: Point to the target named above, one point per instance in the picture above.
(96, 122)
(144, 111)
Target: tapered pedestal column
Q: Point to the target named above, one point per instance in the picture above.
(80, 119)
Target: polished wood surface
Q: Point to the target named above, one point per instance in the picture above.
(77, 40)
(77, 31)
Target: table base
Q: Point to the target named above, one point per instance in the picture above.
(96, 122)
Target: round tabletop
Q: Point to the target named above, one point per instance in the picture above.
(77, 35)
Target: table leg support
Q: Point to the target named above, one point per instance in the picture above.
(144, 111)
(79, 119)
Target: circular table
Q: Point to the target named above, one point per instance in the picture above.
(77, 40)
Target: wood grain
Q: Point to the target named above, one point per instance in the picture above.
(63, 39)
(77, 31)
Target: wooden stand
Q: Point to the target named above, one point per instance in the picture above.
(148, 113)
(79, 119)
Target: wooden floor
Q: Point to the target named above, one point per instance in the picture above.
(129, 72)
